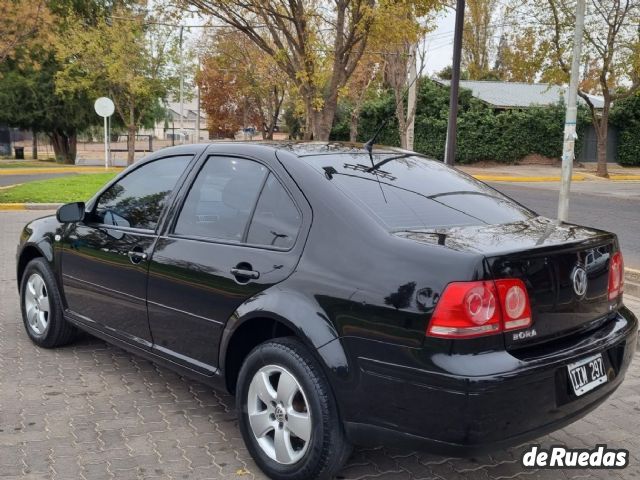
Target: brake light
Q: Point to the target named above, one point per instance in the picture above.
(466, 309)
(616, 276)
(515, 303)
(473, 309)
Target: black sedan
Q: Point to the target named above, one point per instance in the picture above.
(344, 298)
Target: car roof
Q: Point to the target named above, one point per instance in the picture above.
(299, 149)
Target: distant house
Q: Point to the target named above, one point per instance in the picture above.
(518, 95)
(170, 127)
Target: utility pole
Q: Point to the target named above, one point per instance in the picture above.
(411, 98)
(197, 135)
(450, 146)
(568, 150)
(181, 87)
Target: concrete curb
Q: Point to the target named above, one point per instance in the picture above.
(513, 178)
(632, 282)
(579, 177)
(29, 206)
(42, 171)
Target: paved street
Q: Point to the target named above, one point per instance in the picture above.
(93, 411)
(613, 206)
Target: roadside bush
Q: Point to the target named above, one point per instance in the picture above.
(629, 147)
(503, 136)
(626, 117)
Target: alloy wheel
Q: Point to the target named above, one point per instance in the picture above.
(36, 303)
(278, 414)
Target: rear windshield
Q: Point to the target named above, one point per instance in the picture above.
(416, 193)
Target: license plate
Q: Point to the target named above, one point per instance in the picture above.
(587, 374)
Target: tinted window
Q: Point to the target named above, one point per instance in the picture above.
(221, 199)
(138, 199)
(412, 192)
(276, 220)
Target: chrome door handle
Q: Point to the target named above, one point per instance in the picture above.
(240, 272)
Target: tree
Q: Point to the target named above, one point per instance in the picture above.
(29, 99)
(355, 91)
(521, 55)
(126, 55)
(447, 72)
(240, 85)
(21, 22)
(611, 53)
(477, 37)
(317, 44)
(411, 20)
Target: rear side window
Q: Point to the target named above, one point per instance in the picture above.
(138, 198)
(413, 192)
(276, 220)
(222, 198)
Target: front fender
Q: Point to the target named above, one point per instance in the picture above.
(37, 240)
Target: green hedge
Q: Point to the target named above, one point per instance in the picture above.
(626, 117)
(483, 134)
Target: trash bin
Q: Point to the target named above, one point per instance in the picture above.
(19, 153)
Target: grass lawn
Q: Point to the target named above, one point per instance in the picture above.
(75, 188)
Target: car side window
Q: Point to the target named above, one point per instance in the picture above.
(222, 198)
(137, 199)
(276, 220)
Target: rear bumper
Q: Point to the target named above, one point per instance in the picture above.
(461, 415)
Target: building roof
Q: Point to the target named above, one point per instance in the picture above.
(517, 94)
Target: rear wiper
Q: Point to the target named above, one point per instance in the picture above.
(386, 160)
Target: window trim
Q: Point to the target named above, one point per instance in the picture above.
(93, 203)
(170, 230)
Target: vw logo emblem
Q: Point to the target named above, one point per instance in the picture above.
(579, 281)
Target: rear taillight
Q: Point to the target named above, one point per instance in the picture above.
(473, 309)
(466, 309)
(616, 276)
(514, 301)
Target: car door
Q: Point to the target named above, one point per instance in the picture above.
(105, 257)
(236, 234)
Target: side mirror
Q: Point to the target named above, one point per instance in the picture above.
(71, 212)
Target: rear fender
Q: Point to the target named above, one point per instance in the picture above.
(301, 315)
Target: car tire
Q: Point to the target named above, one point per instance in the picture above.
(41, 306)
(299, 403)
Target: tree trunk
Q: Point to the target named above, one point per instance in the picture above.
(73, 147)
(34, 145)
(309, 114)
(353, 125)
(601, 126)
(131, 143)
(601, 133)
(402, 121)
(64, 147)
(324, 118)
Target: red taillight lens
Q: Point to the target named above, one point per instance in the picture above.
(616, 276)
(473, 309)
(465, 310)
(515, 303)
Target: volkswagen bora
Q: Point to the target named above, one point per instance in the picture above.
(343, 298)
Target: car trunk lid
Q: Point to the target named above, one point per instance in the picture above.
(564, 267)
